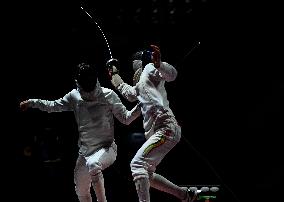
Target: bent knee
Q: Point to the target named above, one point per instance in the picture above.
(94, 167)
(139, 170)
(96, 176)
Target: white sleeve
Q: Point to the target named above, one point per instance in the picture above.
(128, 92)
(120, 111)
(167, 71)
(62, 104)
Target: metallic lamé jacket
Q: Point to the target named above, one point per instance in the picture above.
(94, 118)
(151, 92)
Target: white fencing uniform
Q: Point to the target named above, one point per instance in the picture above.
(162, 131)
(97, 148)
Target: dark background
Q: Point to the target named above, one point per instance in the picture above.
(228, 96)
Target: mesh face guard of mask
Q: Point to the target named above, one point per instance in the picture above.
(86, 77)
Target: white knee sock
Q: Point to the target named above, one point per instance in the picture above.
(161, 183)
(142, 188)
(99, 187)
(85, 198)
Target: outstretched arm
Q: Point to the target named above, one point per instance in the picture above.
(127, 91)
(120, 111)
(62, 104)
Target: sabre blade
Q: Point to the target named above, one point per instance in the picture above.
(98, 26)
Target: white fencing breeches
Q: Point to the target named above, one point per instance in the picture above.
(88, 171)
